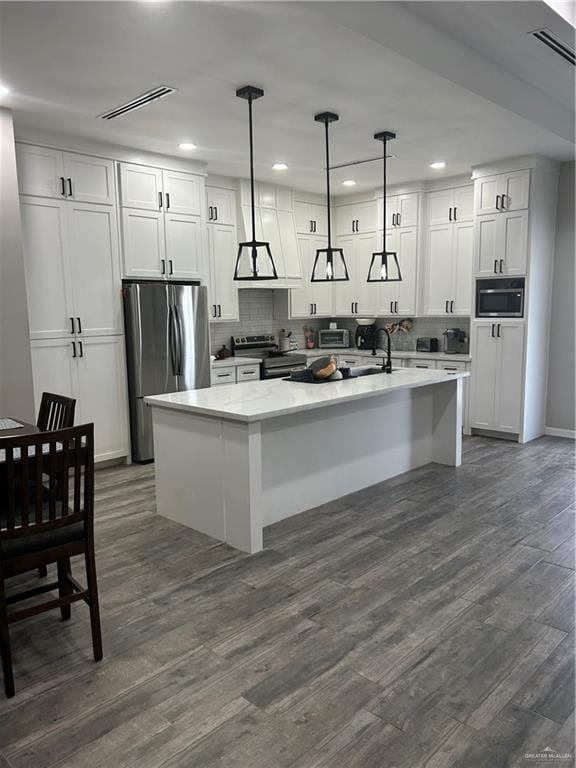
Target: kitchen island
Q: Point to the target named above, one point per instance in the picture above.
(233, 459)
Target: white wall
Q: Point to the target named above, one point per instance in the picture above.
(16, 387)
(561, 378)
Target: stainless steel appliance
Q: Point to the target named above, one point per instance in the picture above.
(500, 297)
(337, 338)
(167, 348)
(274, 364)
(456, 342)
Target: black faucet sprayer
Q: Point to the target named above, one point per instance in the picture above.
(387, 365)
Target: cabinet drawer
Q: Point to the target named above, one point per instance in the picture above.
(247, 373)
(421, 364)
(350, 360)
(442, 365)
(225, 375)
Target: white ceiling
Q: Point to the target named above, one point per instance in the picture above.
(425, 70)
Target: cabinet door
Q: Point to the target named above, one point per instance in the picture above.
(439, 205)
(303, 218)
(438, 270)
(407, 257)
(346, 216)
(516, 190)
(45, 245)
(102, 394)
(513, 242)
(95, 268)
(488, 244)
(319, 215)
(54, 368)
(301, 297)
(144, 246)
(345, 292)
(40, 171)
(292, 266)
(483, 383)
(184, 247)
(366, 293)
(141, 187)
(366, 217)
(485, 192)
(508, 395)
(462, 256)
(463, 204)
(183, 193)
(391, 211)
(223, 248)
(222, 203)
(407, 209)
(90, 179)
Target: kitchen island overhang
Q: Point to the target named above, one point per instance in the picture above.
(233, 459)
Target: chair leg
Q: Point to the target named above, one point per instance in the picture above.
(93, 604)
(64, 588)
(42, 571)
(5, 649)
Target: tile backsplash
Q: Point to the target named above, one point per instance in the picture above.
(257, 316)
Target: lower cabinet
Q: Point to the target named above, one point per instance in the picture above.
(496, 388)
(234, 374)
(91, 370)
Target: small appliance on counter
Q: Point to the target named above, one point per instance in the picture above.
(284, 341)
(337, 338)
(364, 336)
(456, 342)
(427, 344)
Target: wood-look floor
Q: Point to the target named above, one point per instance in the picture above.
(426, 621)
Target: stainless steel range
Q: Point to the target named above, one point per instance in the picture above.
(275, 364)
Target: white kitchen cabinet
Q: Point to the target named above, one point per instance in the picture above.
(52, 173)
(311, 218)
(182, 193)
(449, 205)
(401, 210)
(222, 375)
(501, 244)
(399, 298)
(496, 387)
(422, 364)
(141, 187)
(185, 254)
(249, 372)
(221, 204)
(356, 218)
(308, 299)
(91, 370)
(222, 250)
(448, 269)
(144, 249)
(72, 268)
(356, 297)
(502, 192)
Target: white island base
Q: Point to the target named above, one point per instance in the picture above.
(234, 459)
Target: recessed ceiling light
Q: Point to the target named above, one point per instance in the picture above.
(438, 166)
(4, 91)
(349, 183)
(187, 145)
(279, 167)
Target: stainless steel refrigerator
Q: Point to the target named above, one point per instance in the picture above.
(167, 348)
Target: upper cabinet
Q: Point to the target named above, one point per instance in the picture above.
(222, 251)
(401, 210)
(45, 172)
(311, 218)
(154, 189)
(449, 205)
(399, 298)
(448, 258)
(502, 244)
(356, 218)
(502, 192)
(221, 205)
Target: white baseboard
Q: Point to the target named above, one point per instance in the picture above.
(556, 432)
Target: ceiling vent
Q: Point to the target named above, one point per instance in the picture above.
(139, 101)
(555, 44)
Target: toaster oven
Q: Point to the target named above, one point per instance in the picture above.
(333, 338)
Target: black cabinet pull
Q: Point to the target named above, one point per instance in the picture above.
(492, 330)
(396, 307)
(498, 331)
(497, 202)
(69, 187)
(79, 322)
(314, 225)
(452, 307)
(501, 266)
(495, 266)
(159, 199)
(73, 349)
(502, 202)
(216, 213)
(219, 310)
(449, 214)
(163, 262)
(446, 307)
(171, 266)
(71, 325)
(209, 213)
(167, 200)
(63, 186)
(399, 218)
(455, 209)
(213, 310)
(81, 349)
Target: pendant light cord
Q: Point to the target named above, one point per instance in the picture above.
(384, 199)
(253, 210)
(328, 184)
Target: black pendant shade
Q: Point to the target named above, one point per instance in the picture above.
(329, 264)
(254, 260)
(384, 266)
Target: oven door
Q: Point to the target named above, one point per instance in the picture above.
(500, 302)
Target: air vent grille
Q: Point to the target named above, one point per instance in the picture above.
(555, 44)
(138, 102)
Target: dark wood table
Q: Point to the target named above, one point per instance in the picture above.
(25, 429)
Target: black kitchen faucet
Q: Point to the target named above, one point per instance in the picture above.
(387, 365)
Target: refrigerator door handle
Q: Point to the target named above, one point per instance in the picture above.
(172, 340)
(178, 330)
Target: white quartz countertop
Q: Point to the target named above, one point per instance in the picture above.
(259, 400)
(400, 355)
(234, 361)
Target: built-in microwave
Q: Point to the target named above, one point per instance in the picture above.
(500, 297)
(337, 338)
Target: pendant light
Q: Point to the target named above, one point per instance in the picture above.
(255, 254)
(333, 269)
(384, 266)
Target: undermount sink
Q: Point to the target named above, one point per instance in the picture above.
(368, 370)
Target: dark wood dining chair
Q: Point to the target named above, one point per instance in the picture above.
(39, 528)
(56, 412)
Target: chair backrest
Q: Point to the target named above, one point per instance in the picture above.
(66, 459)
(56, 412)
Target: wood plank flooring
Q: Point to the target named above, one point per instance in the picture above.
(427, 622)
